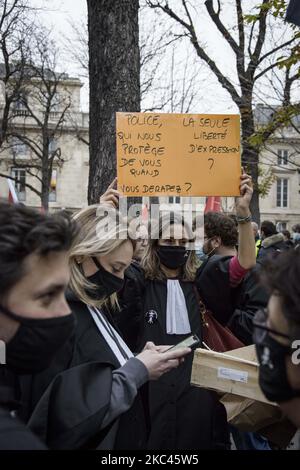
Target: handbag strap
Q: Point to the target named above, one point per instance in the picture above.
(202, 307)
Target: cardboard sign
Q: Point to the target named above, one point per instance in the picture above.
(234, 372)
(178, 154)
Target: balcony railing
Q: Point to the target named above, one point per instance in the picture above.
(21, 113)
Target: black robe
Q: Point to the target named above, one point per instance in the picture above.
(67, 414)
(182, 416)
(14, 435)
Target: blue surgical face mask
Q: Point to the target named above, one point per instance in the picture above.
(200, 253)
(199, 250)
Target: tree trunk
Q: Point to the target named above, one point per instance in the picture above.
(45, 197)
(250, 159)
(46, 176)
(114, 69)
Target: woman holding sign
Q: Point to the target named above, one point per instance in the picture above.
(161, 304)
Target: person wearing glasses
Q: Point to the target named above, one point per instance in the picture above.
(277, 335)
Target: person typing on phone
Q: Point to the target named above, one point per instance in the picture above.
(94, 395)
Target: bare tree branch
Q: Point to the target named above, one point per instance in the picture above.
(199, 50)
(29, 186)
(215, 17)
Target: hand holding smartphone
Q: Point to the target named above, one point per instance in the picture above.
(190, 342)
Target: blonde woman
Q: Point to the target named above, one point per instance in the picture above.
(161, 304)
(95, 399)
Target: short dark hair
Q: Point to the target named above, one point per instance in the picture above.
(281, 276)
(220, 225)
(287, 234)
(24, 231)
(296, 228)
(268, 228)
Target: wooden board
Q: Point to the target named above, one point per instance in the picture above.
(225, 372)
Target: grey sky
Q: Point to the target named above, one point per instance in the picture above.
(211, 97)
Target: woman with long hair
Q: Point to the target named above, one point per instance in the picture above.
(161, 303)
(97, 397)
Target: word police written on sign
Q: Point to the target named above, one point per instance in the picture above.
(178, 154)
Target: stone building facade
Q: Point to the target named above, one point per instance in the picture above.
(69, 180)
(282, 156)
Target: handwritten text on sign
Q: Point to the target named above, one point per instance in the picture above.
(178, 154)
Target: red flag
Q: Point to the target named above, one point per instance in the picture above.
(12, 194)
(145, 213)
(213, 204)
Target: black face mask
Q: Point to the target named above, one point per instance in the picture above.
(173, 257)
(272, 371)
(106, 282)
(36, 341)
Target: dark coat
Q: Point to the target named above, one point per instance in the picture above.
(72, 407)
(173, 401)
(289, 244)
(250, 296)
(271, 247)
(14, 435)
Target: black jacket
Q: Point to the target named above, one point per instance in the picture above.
(67, 403)
(250, 296)
(14, 435)
(272, 246)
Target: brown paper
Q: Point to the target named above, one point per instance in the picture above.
(161, 154)
(249, 411)
(234, 372)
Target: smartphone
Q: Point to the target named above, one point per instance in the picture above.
(191, 342)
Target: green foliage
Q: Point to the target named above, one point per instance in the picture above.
(281, 118)
(266, 179)
(251, 18)
(277, 8)
(292, 59)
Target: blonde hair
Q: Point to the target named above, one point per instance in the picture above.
(101, 231)
(151, 262)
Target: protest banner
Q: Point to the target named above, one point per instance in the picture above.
(178, 154)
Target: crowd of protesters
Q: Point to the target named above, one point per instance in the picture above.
(88, 321)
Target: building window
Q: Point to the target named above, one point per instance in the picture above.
(282, 192)
(174, 199)
(21, 102)
(19, 148)
(19, 183)
(56, 103)
(280, 225)
(282, 157)
(19, 106)
(53, 183)
(52, 145)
